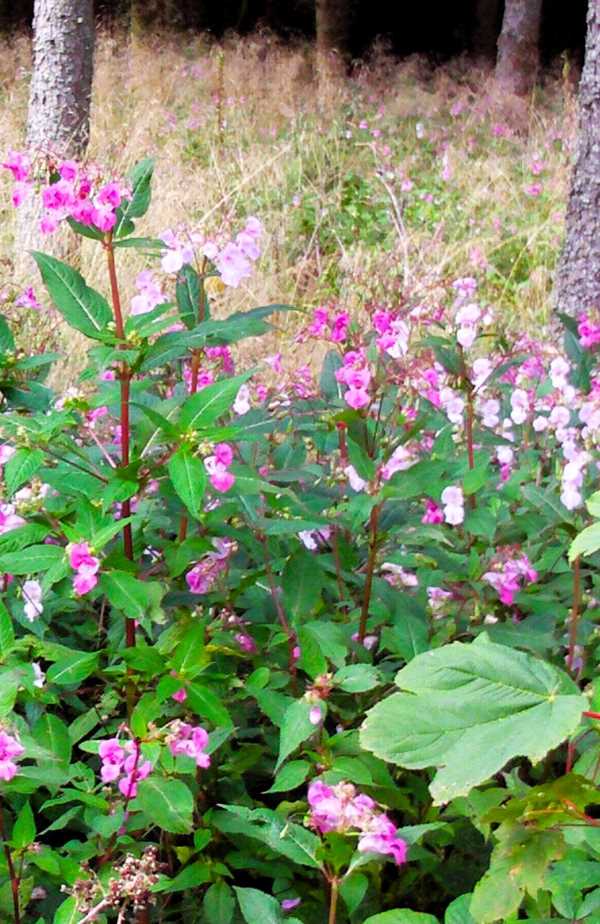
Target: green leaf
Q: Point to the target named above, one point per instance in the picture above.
(53, 734)
(23, 832)
(290, 776)
(7, 341)
(401, 916)
(296, 727)
(67, 913)
(205, 407)
(458, 912)
(207, 705)
(7, 635)
(21, 467)
(353, 889)
(73, 668)
(357, 678)
(468, 710)
(219, 904)
(28, 561)
(81, 307)
(475, 479)
(257, 906)
(188, 476)
(194, 875)
(168, 804)
(586, 543)
(187, 293)
(137, 206)
(302, 583)
(129, 595)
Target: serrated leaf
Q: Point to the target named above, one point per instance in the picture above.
(188, 476)
(169, 804)
(73, 668)
(21, 467)
(205, 407)
(23, 832)
(290, 776)
(357, 678)
(296, 727)
(257, 906)
(81, 306)
(219, 904)
(468, 710)
(32, 559)
(586, 542)
(137, 205)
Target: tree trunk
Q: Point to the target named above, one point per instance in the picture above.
(333, 22)
(58, 117)
(518, 46)
(578, 275)
(485, 30)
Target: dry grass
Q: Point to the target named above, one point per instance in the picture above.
(245, 127)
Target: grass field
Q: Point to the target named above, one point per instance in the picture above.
(370, 188)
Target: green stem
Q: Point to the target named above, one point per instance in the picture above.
(373, 528)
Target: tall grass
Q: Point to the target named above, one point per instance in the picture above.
(249, 127)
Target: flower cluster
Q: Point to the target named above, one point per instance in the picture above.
(509, 571)
(77, 193)
(149, 296)
(217, 466)
(10, 751)
(123, 762)
(341, 808)
(233, 260)
(203, 575)
(356, 376)
(189, 740)
(86, 565)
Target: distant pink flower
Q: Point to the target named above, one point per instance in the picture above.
(433, 513)
(27, 299)
(189, 740)
(10, 751)
(180, 695)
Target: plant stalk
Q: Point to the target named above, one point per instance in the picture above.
(125, 382)
(364, 613)
(333, 900)
(12, 873)
(196, 357)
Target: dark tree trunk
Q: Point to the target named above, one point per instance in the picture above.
(58, 117)
(518, 46)
(333, 22)
(578, 276)
(485, 30)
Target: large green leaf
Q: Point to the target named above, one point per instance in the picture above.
(21, 467)
(130, 595)
(73, 668)
(260, 908)
(81, 307)
(468, 710)
(35, 558)
(206, 406)
(188, 476)
(219, 904)
(296, 727)
(586, 542)
(169, 804)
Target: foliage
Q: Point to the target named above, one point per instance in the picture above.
(282, 648)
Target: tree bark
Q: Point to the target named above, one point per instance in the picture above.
(333, 23)
(61, 83)
(518, 46)
(58, 118)
(485, 31)
(578, 275)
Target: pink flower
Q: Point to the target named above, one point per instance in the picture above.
(68, 170)
(10, 750)
(233, 265)
(32, 595)
(224, 454)
(27, 299)
(314, 716)
(289, 903)
(79, 554)
(246, 642)
(189, 740)
(357, 398)
(433, 513)
(84, 581)
(18, 164)
(180, 695)
(453, 501)
(110, 194)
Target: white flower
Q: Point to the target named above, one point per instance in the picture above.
(32, 595)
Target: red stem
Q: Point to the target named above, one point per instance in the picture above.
(14, 878)
(125, 380)
(591, 715)
(574, 618)
(373, 527)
